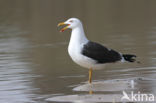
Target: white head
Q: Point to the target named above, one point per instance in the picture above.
(71, 23)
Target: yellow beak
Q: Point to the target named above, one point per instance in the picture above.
(66, 27)
(60, 24)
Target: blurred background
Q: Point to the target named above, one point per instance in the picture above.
(34, 63)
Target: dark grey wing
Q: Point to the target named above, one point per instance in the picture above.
(100, 53)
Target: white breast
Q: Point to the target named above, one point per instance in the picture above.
(77, 40)
(77, 57)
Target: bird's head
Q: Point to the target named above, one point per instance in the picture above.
(71, 23)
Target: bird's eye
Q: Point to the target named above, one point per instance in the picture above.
(71, 21)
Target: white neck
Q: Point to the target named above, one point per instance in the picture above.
(78, 36)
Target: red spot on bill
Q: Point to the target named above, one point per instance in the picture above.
(62, 30)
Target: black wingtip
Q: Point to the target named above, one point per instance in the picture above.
(129, 57)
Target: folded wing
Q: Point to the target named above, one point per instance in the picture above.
(99, 53)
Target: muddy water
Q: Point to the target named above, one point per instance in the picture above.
(34, 63)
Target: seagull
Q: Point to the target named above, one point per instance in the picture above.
(89, 54)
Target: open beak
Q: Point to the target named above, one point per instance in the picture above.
(66, 27)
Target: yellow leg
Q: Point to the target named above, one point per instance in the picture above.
(90, 75)
(90, 92)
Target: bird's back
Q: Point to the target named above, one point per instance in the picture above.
(100, 53)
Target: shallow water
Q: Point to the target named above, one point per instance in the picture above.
(34, 63)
